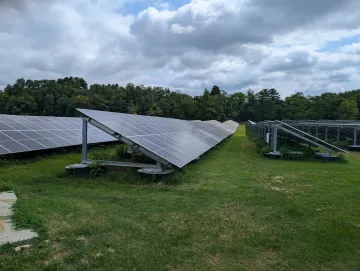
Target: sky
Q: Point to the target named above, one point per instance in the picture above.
(187, 45)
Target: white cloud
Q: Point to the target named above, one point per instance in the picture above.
(352, 49)
(236, 44)
(179, 29)
(162, 5)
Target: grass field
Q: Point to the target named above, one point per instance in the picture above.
(233, 210)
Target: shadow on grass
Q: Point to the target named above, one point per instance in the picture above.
(34, 156)
(121, 175)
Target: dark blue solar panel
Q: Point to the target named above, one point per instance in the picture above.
(176, 141)
(29, 133)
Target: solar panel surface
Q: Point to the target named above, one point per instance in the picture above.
(231, 125)
(176, 141)
(29, 133)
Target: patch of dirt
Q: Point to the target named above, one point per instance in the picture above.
(56, 253)
(98, 255)
(82, 239)
(58, 256)
(264, 260)
(276, 183)
(225, 237)
(280, 189)
(84, 261)
(277, 179)
(111, 250)
(214, 260)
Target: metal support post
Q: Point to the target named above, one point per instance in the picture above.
(84, 141)
(338, 135)
(326, 133)
(274, 138)
(317, 131)
(309, 129)
(263, 131)
(355, 136)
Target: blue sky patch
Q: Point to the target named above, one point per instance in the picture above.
(138, 6)
(334, 45)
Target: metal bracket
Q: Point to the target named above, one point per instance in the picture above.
(121, 164)
(133, 146)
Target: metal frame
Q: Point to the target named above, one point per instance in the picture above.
(130, 143)
(260, 129)
(274, 138)
(121, 164)
(355, 136)
(161, 163)
(338, 127)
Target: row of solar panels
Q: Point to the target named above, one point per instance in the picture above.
(28, 133)
(176, 141)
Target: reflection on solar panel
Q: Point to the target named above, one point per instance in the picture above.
(231, 125)
(176, 141)
(28, 133)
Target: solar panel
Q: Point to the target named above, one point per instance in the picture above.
(231, 125)
(176, 141)
(29, 133)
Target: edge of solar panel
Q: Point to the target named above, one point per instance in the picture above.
(231, 125)
(176, 141)
(33, 133)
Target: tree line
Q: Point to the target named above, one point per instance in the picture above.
(61, 97)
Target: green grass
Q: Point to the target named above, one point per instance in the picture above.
(233, 210)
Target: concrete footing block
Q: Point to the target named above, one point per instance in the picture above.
(7, 232)
(325, 156)
(354, 148)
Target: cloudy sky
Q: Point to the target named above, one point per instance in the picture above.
(311, 46)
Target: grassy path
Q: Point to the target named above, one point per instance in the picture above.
(233, 210)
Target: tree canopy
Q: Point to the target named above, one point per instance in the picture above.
(61, 97)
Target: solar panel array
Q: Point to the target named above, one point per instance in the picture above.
(176, 141)
(231, 125)
(29, 133)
